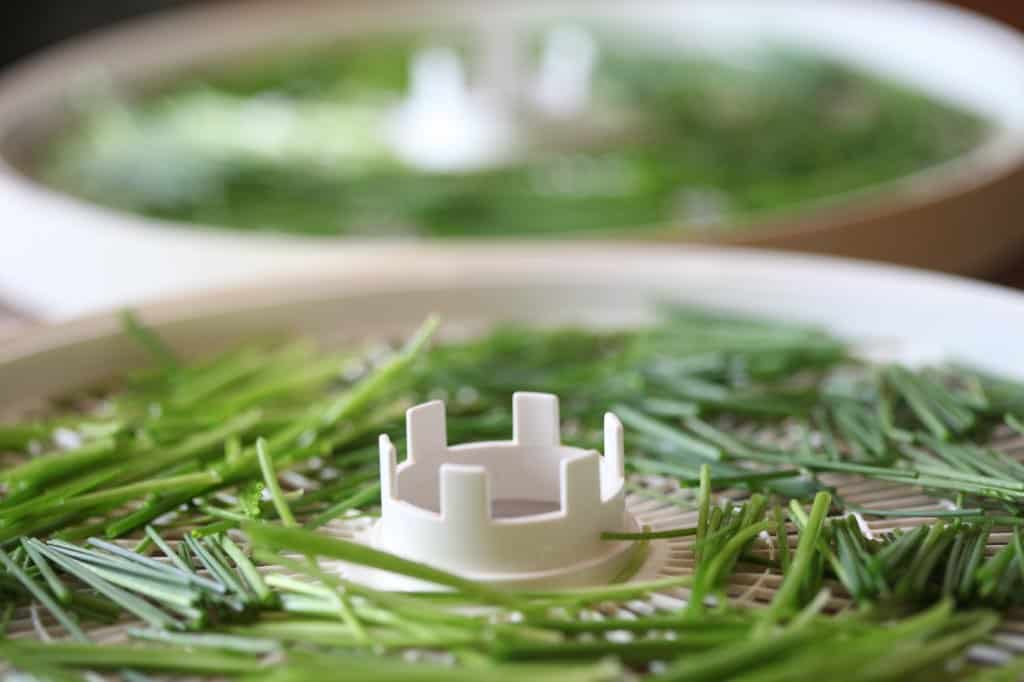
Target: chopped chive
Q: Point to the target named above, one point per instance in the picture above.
(310, 543)
(58, 588)
(652, 427)
(236, 583)
(244, 645)
(118, 656)
(366, 495)
(47, 467)
(284, 512)
(176, 559)
(127, 601)
(116, 563)
(781, 539)
(704, 506)
(43, 597)
(219, 574)
(247, 569)
(915, 513)
(785, 599)
(649, 535)
(142, 560)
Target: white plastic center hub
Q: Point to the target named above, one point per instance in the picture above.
(442, 125)
(524, 512)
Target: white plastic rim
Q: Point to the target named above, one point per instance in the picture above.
(61, 257)
(935, 316)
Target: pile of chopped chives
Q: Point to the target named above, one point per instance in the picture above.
(292, 142)
(184, 512)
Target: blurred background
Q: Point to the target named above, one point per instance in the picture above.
(31, 26)
(34, 25)
(174, 158)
